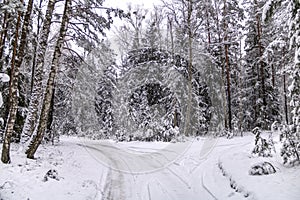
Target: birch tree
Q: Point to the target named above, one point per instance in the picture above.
(81, 23)
(37, 139)
(17, 59)
(31, 118)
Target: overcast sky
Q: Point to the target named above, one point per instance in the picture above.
(123, 3)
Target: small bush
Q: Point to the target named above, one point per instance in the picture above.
(53, 174)
(264, 168)
(263, 147)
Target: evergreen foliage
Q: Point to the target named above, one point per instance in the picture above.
(263, 147)
(103, 102)
(290, 151)
(149, 97)
(257, 91)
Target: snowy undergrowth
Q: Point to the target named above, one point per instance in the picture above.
(78, 176)
(236, 163)
(236, 187)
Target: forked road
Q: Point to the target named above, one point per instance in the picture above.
(170, 173)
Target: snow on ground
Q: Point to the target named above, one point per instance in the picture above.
(284, 184)
(202, 168)
(141, 147)
(79, 176)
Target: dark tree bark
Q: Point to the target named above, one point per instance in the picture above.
(285, 99)
(227, 67)
(50, 136)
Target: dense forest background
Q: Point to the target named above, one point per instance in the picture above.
(58, 60)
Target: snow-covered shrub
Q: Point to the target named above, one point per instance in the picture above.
(263, 168)
(53, 174)
(121, 136)
(290, 151)
(263, 147)
(173, 133)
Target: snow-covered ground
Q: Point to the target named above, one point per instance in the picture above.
(203, 168)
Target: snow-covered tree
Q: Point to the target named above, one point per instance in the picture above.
(16, 62)
(258, 87)
(35, 98)
(61, 120)
(151, 97)
(91, 93)
(43, 118)
(290, 150)
(153, 37)
(130, 35)
(263, 146)
(103, 101)
(82, 22)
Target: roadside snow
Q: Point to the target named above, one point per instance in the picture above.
(284, 184)
(80, 177)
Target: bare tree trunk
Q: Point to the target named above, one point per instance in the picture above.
(50, 137)
(35, 44)
(31, 118)
(13, 105)
(37, 139)
(227, 70)
(171, 35)
(285, 99)
(285, 94)
(187, 127)
(240, 86)
(228, 87)
(273, 75)
(208, 31)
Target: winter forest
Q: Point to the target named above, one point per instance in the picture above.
(129, 85)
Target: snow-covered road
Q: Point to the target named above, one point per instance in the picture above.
(204, 168)
(172, 172)
(200, 169)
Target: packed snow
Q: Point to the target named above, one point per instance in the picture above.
(201, 168)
